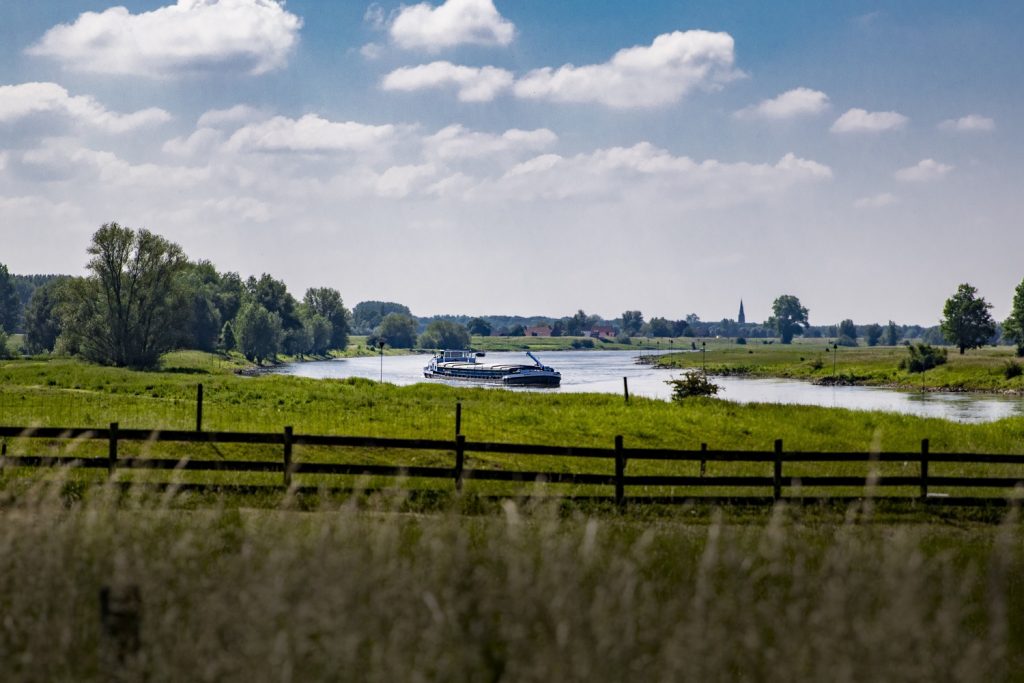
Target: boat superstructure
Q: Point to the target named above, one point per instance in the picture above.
(464, 365)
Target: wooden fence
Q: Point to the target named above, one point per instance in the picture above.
(682, 487)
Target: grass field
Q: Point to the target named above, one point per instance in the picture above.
(527, 594)
(282, 587)
(68, 393)
(813, 359)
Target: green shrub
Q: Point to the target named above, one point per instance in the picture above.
(923, 357)
(741, 340)
(692, 384)
(1012, 369)
(586, 343)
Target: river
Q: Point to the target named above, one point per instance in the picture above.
(602, 371)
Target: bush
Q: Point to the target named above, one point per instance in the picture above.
(586, 343)
(692, 384)
(623, 339)
(817, 363)
(1012, 369)
(923, 357)
(741, 340)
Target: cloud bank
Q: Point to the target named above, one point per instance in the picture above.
(31, 99)
(191, 36)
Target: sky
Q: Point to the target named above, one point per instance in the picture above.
(531, 157)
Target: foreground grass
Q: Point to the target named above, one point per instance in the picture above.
(812, 359)
(236, 595)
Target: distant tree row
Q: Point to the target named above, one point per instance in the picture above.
(142, 297)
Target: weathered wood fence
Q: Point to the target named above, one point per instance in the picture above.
(682, 487)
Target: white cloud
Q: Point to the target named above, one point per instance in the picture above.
(862, 121)
(400, 181)
(192, 36)
(644, 168)
(641, 76)
(474, 84)
(969, 123)
(877, 201)
(924, 171)
(64, 159)
(790, 104)
(375, 17)
(201, 140)
(371, 51)
(455, 22)
(223, 118)
(455, 142)
(308, 134)
(30, 99)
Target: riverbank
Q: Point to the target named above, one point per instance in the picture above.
(980, 370)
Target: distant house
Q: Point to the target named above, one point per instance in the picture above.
(538, 331)
(603, 333)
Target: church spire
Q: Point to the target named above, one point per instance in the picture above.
(742, 317)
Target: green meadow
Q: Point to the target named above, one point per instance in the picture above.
(814, 360)
(65, 392)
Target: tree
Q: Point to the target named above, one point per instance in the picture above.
(10, 306)
(259, 333)
(578, 324)
(873, 332)
(632, 321)
(42, 324)
(1013, 327)
(397, 330)
(444, 334)
(966, 322)
(326, 302)
(227, 337)
(367, 315)
(892, 334)
(479, 326)
(128, 311)
(659, 327)
(789, 318)
(848, 329)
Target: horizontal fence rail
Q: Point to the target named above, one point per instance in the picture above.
(684, 487)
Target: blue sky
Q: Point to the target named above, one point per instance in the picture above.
(531, 157)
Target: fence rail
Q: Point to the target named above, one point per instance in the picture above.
(683, 487)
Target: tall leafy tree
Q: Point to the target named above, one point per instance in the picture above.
(42, 323)
(128, 310)
(259, 332)
(397, 330)
(892, 334)
(480, 326)
(1013, 327)
(632, 321)
(367, 315)
(327, 303)
(873, 332)
(445, 334)
(10, 306)
(966, 321)
(789, 318)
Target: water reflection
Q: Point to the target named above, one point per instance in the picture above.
(602, 372)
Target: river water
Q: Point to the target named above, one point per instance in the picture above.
(602, 371)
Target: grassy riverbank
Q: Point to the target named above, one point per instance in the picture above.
(811, 359)
(69, 393)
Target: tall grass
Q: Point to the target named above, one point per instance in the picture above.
(345, 593)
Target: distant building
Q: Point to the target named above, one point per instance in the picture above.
(603, 333)
(538, 331)
(742, 318)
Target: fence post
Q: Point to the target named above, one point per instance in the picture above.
(199, 407)
(625, 388)
(924, 468)
(112, 450)
(287, 457)
(703, 462)
(458, 418)
(460, 459)
(777, 475)
(620, 473)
